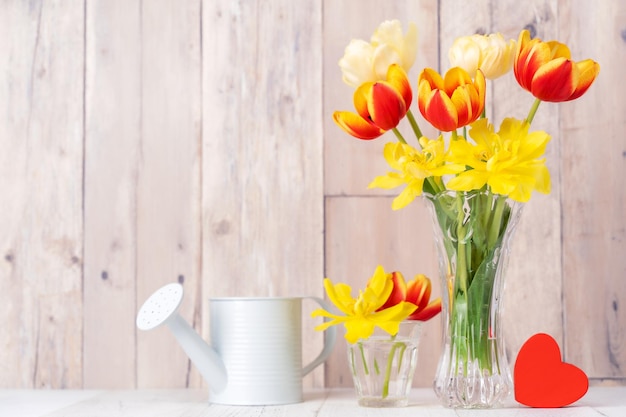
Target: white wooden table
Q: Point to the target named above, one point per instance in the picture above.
(598, 402)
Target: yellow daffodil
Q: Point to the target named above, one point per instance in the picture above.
(362, 314)
(510, 161)
(489, 53)
(364, 62)
(413, 167)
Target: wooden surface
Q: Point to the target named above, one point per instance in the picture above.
(151, 142)
(599, 401)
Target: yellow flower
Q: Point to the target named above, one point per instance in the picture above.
(368, 62)
(360, 314)
(413, 168)
(489, 53)
(509, 161)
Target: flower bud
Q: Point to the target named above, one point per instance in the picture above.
(369, 62)
(489, 53)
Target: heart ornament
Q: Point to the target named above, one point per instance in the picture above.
(542, 379)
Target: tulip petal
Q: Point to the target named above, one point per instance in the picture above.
(480, 83)
(418, 291)
(559, 50)
(356, 126)
(427, 313)
(588, 70)
(434, 79)
(555, 81)
(384, 56)
(361, 97)
(397, 77)
(386, 107)
(530, 60)
(454, 78)
(398, 293)
(441, 112)
(356, 64)
(462, 101)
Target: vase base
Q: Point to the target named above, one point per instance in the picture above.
(455, 404)
(475, 393)
(378, 402)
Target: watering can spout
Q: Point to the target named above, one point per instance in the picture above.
(162, 308)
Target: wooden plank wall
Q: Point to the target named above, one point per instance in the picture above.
(146, 142)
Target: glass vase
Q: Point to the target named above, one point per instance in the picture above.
(472, 232)
(383, 366)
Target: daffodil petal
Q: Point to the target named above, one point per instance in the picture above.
(386, 181)
(405, 197)
(358, 329)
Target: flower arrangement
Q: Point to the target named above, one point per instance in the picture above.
(386, 303)
(508, 162)
(474, 179)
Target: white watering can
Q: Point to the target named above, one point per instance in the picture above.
(256, 352)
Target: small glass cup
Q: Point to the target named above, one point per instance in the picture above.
(383, 366)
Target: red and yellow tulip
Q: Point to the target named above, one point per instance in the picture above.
(452, 101)
(546, 70)
(379, 106)
(415, 292)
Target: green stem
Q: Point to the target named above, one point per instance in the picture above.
(533, 110)
(388, 371)
(487, 209)
(461, 268)
(437, 188)
(398, 135)
(495, 226)
(367, 372)
(414, 126)
(402, 349)
(352, 360)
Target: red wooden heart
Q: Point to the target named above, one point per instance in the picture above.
(542, 379)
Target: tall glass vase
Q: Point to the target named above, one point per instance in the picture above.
(472, 231)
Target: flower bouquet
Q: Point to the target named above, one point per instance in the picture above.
(475, 179)
(382, 328)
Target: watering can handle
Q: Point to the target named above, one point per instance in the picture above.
(329, 340)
